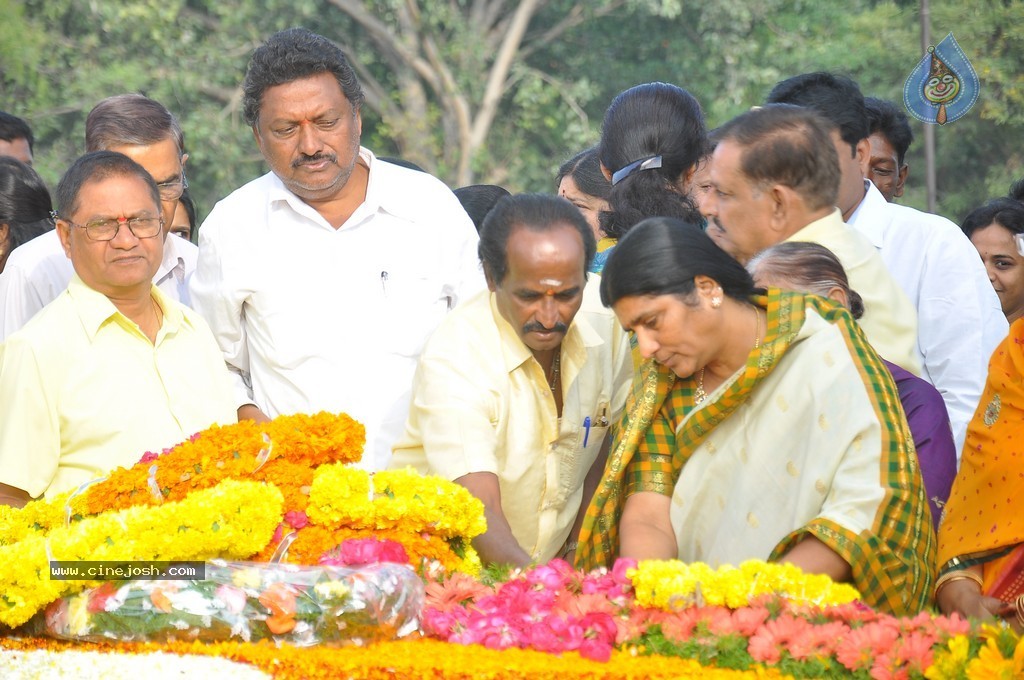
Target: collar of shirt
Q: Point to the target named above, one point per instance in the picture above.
(574, 344)
(826, 224)
(378, 197)
(871, 217)
(95, 309)
(172, 264)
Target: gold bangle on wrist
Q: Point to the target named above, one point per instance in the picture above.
(959, 575)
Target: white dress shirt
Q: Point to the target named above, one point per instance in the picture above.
(314, 318)
(960, 322)
(38, 271)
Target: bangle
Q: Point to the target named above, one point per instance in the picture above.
(959, 575)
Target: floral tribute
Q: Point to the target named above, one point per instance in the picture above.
(756, 616)
(248, 601)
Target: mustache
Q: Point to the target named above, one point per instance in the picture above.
(535, 327)
(315, 158)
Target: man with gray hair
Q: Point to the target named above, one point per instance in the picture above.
(322, 279)
(145, 131)
(775, 177)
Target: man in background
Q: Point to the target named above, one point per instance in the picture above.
(16, 138)
(145, 131)
(960, 320)
(890, 139)
(322, 279)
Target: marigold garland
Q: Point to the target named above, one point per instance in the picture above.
(234, 520)
(673, 585)
(36, 518)
(271, 452)
(422, 659)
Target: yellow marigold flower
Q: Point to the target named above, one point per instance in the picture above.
(951, 662)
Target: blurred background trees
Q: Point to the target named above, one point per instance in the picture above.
(501, 92)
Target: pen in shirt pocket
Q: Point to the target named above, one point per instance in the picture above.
(384, 283)
(586, 431)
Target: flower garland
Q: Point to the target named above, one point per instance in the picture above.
(36, 518)
(234, 519)
(283, 451)
(673, 585)
(417, 659)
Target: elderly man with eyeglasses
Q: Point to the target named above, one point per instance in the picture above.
(145, 131)
(113, 367)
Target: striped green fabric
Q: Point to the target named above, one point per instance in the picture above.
(890, 564)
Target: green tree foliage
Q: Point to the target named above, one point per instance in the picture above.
(453, 86)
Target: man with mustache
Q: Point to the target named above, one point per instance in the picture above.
(515, 392)
(322, 279)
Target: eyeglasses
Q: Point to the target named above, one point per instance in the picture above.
(172, 191)
(106, 230)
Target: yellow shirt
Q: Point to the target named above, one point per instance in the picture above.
(890, 319)
(481, 403)
(83, 391)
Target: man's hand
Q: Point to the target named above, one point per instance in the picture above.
(497, 545)
(252, 412)
(13, 496)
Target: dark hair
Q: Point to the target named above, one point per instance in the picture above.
(654, 119)
(787, 145)
(479, 199)
(12, 128)
(1017, 190)
(662, 256)
(806, 267)
(24, 202)
(131, 119)
(536, 212)
(886, 119)
(290, 55)
(97, 166)
(585, 170)
(837, 98)
(1004, 211)
(189, 204)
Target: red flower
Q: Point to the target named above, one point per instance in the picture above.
(358, 551)
(99, 597)
(296, 519)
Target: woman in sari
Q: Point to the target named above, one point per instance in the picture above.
(761, 426)
(981, 537)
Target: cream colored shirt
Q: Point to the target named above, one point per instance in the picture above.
(82, 390)
(890, 320)
(481, 403)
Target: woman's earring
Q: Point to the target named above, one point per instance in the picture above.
(716, 302)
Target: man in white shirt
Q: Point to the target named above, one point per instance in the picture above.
(960, 321)
(322, 279)
(515, 393)
(774, 178)
(145, 131)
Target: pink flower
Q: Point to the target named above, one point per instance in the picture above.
(358, 551)
(297, 519)
(678, 626)
(771, 639)
(747, 620)
(443, 624)
(952, 625)
(911, 653)
(148, 457)
(860, 648)
(597, 650)
(631, 628)
(232, 597)
(545, 576)
(456, 590)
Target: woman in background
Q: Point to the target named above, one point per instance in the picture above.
(581, 182)
(25, 206)
(994, 229)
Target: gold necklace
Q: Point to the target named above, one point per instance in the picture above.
(556, 365)
(699, 395)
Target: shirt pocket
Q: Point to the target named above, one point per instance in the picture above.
(413, 307)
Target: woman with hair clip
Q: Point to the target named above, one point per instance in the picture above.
(652, 139)
(25, 207)
(813, 268)
(756, 429)
(581, 182)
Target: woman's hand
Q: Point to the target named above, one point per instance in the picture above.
(964, 597)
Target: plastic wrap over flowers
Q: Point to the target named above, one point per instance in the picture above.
(248, 601)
